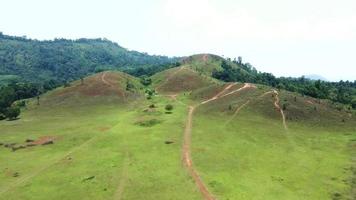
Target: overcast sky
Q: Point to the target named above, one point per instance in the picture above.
(285, 37)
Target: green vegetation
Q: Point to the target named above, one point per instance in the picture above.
(11, 93)
(64, 60)
(12, 112)
(169, 108)
(106, 136)
(343, 92)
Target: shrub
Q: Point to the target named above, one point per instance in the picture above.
(13, 112)
(148, 123)
(129, 86)
(169, 108)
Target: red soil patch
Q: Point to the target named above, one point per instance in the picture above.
(103, 129)
(43, 140)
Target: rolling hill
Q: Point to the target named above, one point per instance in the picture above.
(222, 140)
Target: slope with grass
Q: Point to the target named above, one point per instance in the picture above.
(181, 79)
(106, 150)
(221, 141)
(251, 155)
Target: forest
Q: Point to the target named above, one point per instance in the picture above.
(63, 60)
(343, 92)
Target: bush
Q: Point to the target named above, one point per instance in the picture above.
(146, 81)
(148, 123)
(13, 112)
(169, 107)
(2, 116)
(353, 103)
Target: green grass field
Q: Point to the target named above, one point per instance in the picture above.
(110, 145)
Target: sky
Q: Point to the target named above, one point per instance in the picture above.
(284, 37)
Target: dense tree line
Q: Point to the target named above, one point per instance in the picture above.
(235, 71)
(62, 60)
(149, 71)
(13, 92)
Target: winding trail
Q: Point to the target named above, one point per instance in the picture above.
(186, 153)
(237, 111)
(105, 81)
(244, 105)
(187, 160)
(278, 107)
(219, 94)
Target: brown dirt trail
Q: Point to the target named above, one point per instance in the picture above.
(278, 107)
(105, 81)
(219, 94)
(187, 160)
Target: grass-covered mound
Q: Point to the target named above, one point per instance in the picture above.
(102, 87)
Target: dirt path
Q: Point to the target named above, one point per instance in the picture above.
(278, 107)
(105, 81)
(237, 111)
(247, 85)
(219, 94)
(244, 105)
(124, 177)
(187, 160)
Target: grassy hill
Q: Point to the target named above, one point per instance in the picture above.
(207, 63)
(220, 141)
(109, 86)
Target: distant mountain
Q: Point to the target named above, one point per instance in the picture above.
(315, 77)
(63, 60)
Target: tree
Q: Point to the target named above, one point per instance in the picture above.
(129, 86)
(13, 112)
(169, 108)
(239, 60)
(353, 103)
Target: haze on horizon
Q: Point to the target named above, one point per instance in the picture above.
(284, 37)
